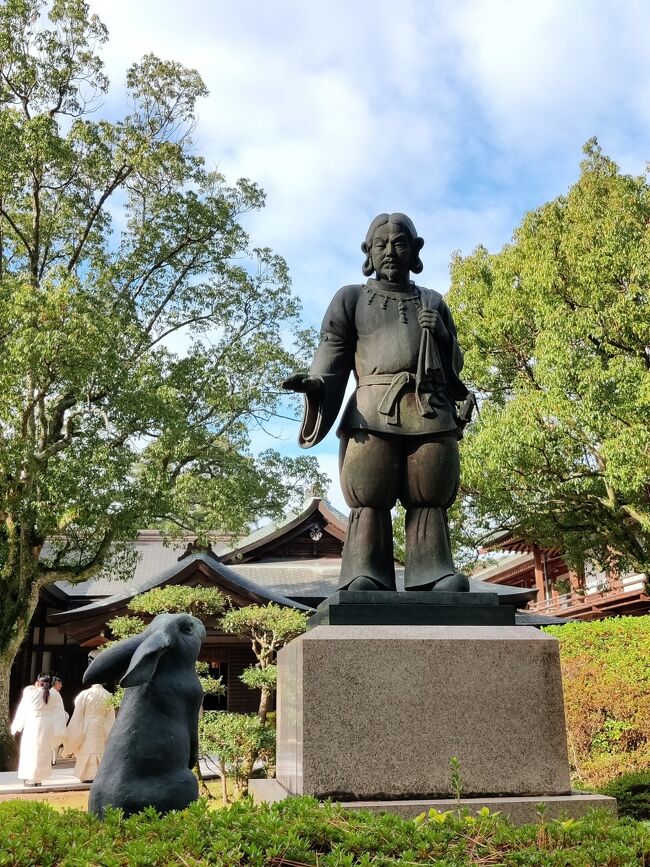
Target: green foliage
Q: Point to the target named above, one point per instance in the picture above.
(269, 627)
(555, 330)
(260, 678)
(455, 777)
(300, 831)
(632, 793)
(201, 602)
(234, 738)
(125, 627)
(118, 247)
(606, 676)
(209, 685)
(398, 517)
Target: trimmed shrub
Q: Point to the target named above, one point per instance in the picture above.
(300, 831)
(632, 791)
(606, 674)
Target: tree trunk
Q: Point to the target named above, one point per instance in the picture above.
(224, 782)
(251, 758)
(8, 748)
(246, 771)
(265, 701)
(8, 654)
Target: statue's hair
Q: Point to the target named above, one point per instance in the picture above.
(407, 224)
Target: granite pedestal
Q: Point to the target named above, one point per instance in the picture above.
(371, 715)
(518, 810)
(377, 712)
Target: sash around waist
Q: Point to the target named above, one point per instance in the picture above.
(396, 385)
(392, 403)
(403, 378)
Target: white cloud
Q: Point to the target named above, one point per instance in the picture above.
(465, 114)
(549, 74)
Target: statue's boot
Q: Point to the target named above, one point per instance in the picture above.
(362, 582)
(368, 551)
(429, 564)
(458, 583)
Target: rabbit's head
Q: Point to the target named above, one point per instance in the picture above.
(133, 661)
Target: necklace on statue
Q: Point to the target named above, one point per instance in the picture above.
(375, 289)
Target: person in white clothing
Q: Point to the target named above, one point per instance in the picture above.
(88, 730)
(35, 718)
(60, 716)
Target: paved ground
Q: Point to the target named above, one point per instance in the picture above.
(62, 780)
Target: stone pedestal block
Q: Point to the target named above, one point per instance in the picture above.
(519, 810)
(375, 713)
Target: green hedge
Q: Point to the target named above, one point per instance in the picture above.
(606, 678)
(632, 793)
(301, 832)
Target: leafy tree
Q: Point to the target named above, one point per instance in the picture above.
(200, 602)
(269, 628)
(606, 678)
(555, 330)
(117, 247)
(232, 738)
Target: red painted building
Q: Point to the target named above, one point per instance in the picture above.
(590, 594)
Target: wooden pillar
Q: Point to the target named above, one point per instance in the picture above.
(540, 578)
(577, 580)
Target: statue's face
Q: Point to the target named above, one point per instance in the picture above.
(391, 253)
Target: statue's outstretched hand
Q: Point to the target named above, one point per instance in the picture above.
(302, 382)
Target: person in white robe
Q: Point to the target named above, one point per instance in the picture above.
(35, 718)
(59, 715)
(88, 730)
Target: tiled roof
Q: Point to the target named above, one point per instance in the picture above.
(505, 564)
(276, 529)
(307, 578)
(154, 558)
(124, 595)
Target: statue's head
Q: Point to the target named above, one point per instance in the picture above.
(392, 248)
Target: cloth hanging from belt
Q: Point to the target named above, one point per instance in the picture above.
(430, 373)
(397, 384)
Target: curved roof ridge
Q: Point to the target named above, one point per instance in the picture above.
(276, 528)
(259, 594)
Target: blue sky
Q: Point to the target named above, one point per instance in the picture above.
(464, 114)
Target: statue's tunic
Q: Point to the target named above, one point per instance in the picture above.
(407, 380)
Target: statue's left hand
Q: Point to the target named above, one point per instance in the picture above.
(431, 321)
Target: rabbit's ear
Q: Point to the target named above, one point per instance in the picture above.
(145, 659)
(112, 663)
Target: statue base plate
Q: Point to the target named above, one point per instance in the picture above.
(412, 608)
(519, 810)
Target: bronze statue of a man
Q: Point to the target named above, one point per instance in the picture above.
(400, 429)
